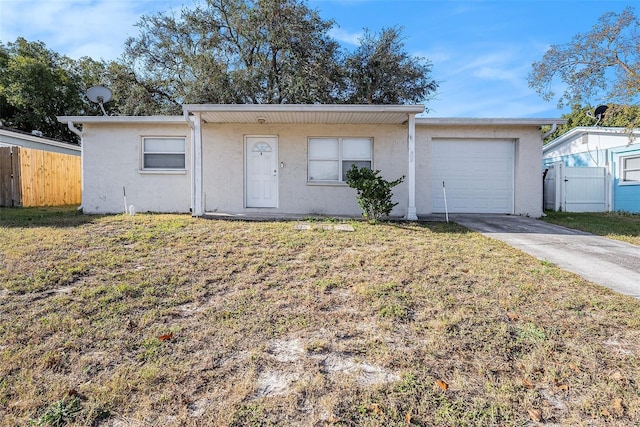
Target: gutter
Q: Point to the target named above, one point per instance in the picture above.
(75, 130)
(554, 126)
(185, 113)
(78, 132)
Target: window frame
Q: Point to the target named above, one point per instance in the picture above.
(166, 170)
(624, 170)
(339, 160)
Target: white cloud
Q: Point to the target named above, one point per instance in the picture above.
(346, 37)
(95, 28)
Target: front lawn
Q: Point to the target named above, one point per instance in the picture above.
(614, 225)
(169, 320)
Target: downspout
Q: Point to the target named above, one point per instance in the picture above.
(192, 127)
(554, 126)
(78, 132)
(75, 130)
(197, 208)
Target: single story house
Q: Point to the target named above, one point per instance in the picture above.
(606, 157)
(16, 138)
(292, 159)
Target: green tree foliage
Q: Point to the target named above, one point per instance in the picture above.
(268, 52)
(373, 192)
(36, 84)
(381, 72)
(602, 65)
(221, 51)
(237, 51)
(623, 116)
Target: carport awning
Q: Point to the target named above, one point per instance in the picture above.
(303, 113)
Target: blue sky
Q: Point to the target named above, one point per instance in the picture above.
(481, 50)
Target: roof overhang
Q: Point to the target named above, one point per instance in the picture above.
(446, 121)
(579, 131)
(122, 119)
(40, 140)
(303, 113)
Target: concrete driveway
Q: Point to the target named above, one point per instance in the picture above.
(606, 262)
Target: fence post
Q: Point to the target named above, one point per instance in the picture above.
(559, 171)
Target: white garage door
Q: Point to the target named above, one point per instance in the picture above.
(478, 176)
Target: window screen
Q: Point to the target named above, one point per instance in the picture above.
(163, 153)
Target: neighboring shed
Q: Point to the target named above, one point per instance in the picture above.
(34, 140)
(38, 171)
(292, 159)
(582, 156)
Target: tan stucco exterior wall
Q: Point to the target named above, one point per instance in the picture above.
(111, 161)
(527, 169)
(112, 153)
(223, 167)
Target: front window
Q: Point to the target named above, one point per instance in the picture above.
(631, 169)
(161, 153)
(331, 158)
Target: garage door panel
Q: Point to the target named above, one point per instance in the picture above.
(478, 176)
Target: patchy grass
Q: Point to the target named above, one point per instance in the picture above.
(169, 320)
(615, 225)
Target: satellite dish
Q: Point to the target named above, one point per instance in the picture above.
(598, 113)
(99, 95)
(600, 110)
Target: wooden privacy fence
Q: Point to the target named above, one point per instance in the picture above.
(31, 177)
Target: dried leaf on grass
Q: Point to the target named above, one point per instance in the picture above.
(443, 385)
(616, 376)
(375, 408)
(535, 415)
(166, 337)
(617, 408)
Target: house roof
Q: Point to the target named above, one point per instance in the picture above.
(465, 121)
(18, 134)
(303, 113)
(122, 119)
(579, 131)
(310, 114)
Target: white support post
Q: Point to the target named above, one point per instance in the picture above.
(198, 206)
(411, 172)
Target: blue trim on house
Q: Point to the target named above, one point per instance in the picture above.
(626, 196)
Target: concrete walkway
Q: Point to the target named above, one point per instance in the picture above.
(606, 262)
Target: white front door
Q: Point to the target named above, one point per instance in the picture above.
(261, 171)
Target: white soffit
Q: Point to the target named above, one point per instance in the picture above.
(304, 114)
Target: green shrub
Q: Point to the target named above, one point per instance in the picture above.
(374, 192)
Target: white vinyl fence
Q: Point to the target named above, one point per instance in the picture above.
(575, 189)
